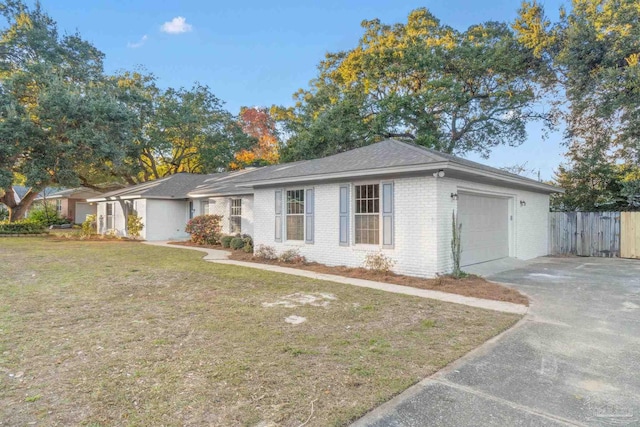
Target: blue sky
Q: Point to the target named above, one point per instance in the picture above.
(259, 53)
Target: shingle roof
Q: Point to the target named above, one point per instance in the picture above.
(223, 183)
(175, 186)
(389, 153)
(77, 193)
(379, 158)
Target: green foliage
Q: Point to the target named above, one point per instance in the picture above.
(594, 52)
(226, 241)
(134, 225)
(421, 81)
(265, 252)
(248, 243)
(205, 229)
(292, 256)
(46, 214)
(378, 262)
(237, 243)
(190, 131)
(456, 245)
(89, 226)
(4, 214)
(22, 227)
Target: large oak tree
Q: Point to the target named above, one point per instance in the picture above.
(455, 91)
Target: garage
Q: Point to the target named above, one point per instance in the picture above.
(485, 227)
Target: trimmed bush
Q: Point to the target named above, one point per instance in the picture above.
(134, 225)
(292, 256)
(237, 243)
(22, 227)
(89, 226)
(248, 243)
(205, 229)
(226, 241)
(265, 252)
(379, 262)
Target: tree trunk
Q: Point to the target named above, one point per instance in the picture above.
(16, 209)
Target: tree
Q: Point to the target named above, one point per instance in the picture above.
(257, 123)
(190, 131)
(421, 81)
(58, 120)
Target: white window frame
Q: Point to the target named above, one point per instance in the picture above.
(59, 207)
(301, 213)
(204, 207)
(354, 201)
(112, 216)
(235, 214)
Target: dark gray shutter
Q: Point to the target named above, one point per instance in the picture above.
(387, 214)
(344, 215)
(278, 211)
(308, 212)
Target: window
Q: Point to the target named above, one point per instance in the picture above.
(204, 207)
(235, 219)
(59, 207)
(367, 214)
(110, 216)
(295, 215)
(191, 210)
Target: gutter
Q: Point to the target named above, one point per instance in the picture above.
(446, 165)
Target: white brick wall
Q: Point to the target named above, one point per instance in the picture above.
(222, 206)
(423, 207)
(414, 251)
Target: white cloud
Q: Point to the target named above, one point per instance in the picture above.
(176, 26)
(136, 45)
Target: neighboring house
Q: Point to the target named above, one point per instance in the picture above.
(71, 203)
(163, 206)
(390, 197)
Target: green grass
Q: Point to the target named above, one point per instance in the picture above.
(120, 333)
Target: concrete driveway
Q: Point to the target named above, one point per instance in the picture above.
(574, 360)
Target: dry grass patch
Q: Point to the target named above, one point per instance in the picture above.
(112, 334)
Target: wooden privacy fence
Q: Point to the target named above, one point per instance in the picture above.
(603, 234)
(584, 233)
(630, 235)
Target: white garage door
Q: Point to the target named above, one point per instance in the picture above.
(485, 228)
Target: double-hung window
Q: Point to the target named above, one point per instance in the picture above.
(59, 207)
(295, 214)
(367, 214)
(235, 219)
(204, 207)
(109, 215)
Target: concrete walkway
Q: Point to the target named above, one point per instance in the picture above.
(221, 257)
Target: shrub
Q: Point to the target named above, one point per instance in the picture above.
(378, 261)
(237, 243)
(205, 229)
(89, 226)
(22, 227)
(134, 226)
(46, 214)
(248, 243)
(226, 241)
(292, 256)
(265, 252)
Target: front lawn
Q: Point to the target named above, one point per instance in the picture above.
(120, 333)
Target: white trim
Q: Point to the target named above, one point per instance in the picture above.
(353, 214)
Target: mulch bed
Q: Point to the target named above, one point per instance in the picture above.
(471, 286)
